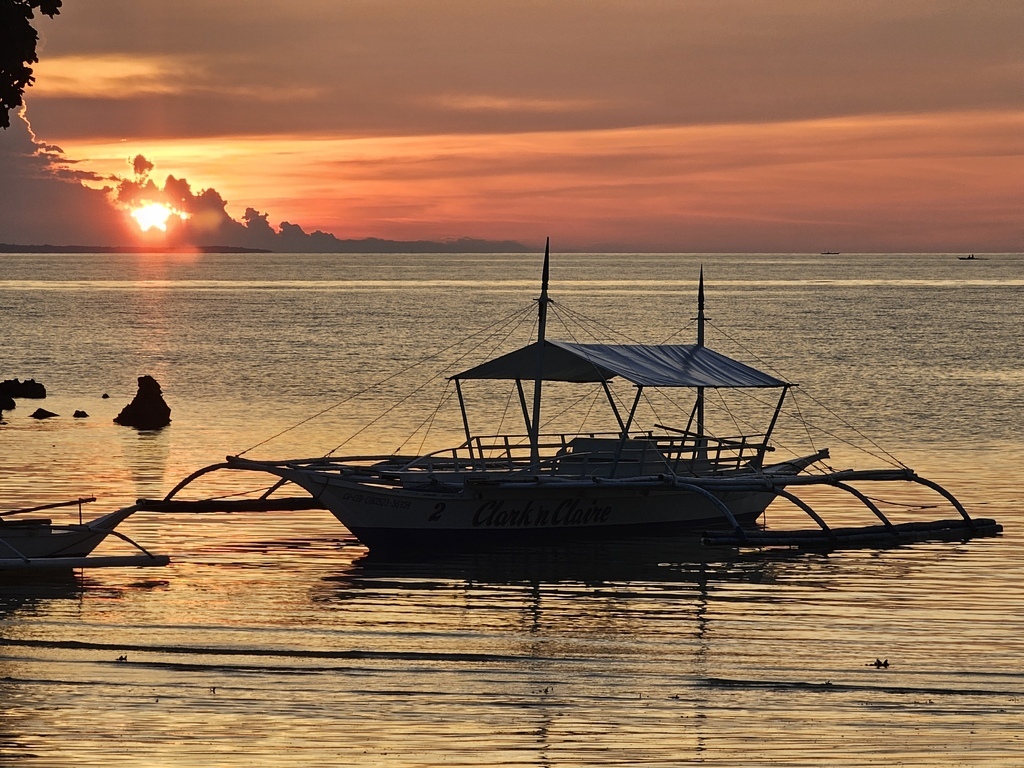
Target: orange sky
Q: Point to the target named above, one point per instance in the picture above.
(661, 125)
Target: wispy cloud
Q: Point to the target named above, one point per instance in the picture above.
(493, 103)
(874, 182)
(112, 76)
(122, 77)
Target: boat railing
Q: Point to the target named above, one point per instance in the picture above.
(595, 454)
(691, 454)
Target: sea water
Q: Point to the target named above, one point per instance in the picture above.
(275, 639)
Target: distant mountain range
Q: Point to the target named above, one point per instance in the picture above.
(366, 245)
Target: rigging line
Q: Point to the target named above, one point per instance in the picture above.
(836, 436)
(590, 410)
(760, 361)
(690, 324)
(596, 368)
(678, 331)
(724, 405)
(585, 321)
(568, 328)
(593, 396)
(505, 410)
(508, 324)
(800, 418)
(817, 402)
(505, 320)
(650, 404)
(380, 416)
(904, 504)
(429, 421)
(221, 497)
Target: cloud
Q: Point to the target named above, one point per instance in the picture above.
(43, 199)
(111, 76)
(118, 77)
(489, 103)
(881, 183)
(476, 66)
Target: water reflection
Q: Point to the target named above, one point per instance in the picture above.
(590, 563)
(20, 592)
(21, 595)
(146, 455)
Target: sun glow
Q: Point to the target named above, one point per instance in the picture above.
(154, 215)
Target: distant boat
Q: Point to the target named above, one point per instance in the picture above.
(830, 253)
(972, 257)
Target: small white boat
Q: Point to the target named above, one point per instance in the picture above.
(41, 543)
(539, 488)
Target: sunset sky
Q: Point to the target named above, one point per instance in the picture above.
(662, 125)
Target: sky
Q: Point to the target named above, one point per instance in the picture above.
(640, 125)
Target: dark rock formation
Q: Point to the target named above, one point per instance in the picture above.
(42, 413)
(6, 402)
(148, 409)
(30, 388)
(81, 415)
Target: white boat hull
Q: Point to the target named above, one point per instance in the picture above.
(27, 539)
(511, 513)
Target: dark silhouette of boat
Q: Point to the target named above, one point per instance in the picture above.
(536, 489)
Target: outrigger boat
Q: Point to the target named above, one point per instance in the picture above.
(544, 488)
(41, 543)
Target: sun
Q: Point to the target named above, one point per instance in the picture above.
(153, 215)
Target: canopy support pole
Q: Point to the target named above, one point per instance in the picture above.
(771, 427)
(625, 429)
(465, 420)
(632, 411)
(522, 404)
(615, 409)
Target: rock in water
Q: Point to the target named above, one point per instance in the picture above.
(30, 388)
(42, 413)
(148, 409)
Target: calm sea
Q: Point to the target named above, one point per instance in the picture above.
(276, 640)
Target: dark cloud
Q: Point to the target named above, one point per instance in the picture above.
(141, 165)
(43, 200)
(469, 66)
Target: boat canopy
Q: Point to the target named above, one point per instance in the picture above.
(646, 365)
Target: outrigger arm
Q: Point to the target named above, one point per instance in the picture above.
(966, 527)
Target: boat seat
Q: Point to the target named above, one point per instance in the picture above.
(596, 456)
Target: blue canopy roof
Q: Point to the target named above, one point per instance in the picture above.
(648, 365)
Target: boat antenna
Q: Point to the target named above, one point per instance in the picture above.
(700, 309)
(542, 321)
(699, 406)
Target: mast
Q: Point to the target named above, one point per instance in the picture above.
(700, 343)
(542, 322)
